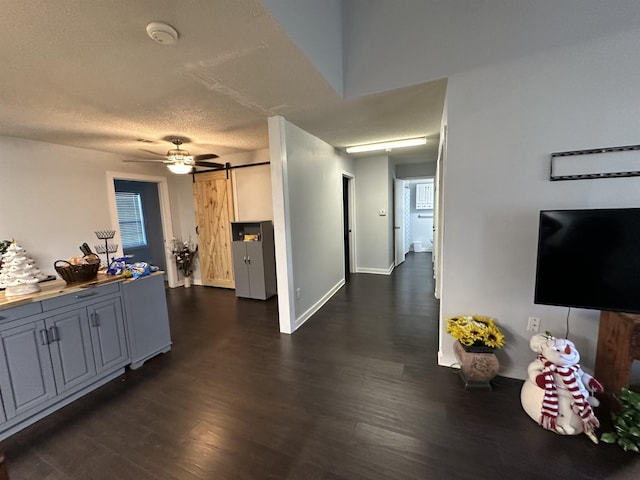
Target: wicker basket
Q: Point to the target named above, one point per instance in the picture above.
(78, 273)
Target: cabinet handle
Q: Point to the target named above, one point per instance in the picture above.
(248, 259)
(245, 259)
(54, 334)
(85, 295)
(44, 338)
(197, 230)
(94, 319)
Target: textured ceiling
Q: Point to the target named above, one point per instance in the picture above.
(86, 74)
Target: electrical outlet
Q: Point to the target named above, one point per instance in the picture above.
(533, 325)
(297, 293)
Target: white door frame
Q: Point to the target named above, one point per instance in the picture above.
(398, 221)
(438, 225)
(165, 213)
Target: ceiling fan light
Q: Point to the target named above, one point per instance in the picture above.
(372, 147)
(180, 158)
(179, 167)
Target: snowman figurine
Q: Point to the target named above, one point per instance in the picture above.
(558, 393)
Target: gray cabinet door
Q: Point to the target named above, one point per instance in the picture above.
(147, 318)
(107, 334)
(26, 379)
(241, 271)
(255, 266)
(71, 350)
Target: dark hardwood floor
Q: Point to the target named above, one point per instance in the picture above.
(355, 394)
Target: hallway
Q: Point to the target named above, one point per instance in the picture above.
(355, 394)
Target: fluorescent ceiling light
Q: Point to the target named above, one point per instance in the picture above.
(372, 147)
(179, 168)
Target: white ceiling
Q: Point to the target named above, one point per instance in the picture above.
(85, 74)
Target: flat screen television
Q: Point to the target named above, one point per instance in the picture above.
(589, 259)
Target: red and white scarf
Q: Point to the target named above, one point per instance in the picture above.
(549, 414)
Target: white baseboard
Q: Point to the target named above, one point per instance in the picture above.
(376, 271)
(316, 306)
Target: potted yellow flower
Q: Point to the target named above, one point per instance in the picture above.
(476, 333)
(477, 339)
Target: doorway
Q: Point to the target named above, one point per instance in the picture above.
(140, 221)
(165, 214)
(347, 215)
(419, 218)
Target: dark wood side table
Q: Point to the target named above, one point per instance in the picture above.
(618, 347)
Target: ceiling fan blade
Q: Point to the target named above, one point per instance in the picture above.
(202, 163)
(143, 160)
(205, 156)
(154, 153)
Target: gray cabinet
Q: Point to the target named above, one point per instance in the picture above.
(76, 343)
(55, 350)
(254, 259)
(26, 373)
(108, 334)
(147, 318)
(71, 350)
(87, 332)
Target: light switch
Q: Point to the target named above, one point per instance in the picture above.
(382, 212)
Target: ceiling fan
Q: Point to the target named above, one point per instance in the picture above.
(180, 161)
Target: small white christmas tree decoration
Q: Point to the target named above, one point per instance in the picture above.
(19, 274)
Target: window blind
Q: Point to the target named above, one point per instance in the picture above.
(131, 220)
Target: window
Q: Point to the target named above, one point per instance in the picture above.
(131, 220)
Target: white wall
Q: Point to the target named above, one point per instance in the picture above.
(416, 170)
(252, 186)
(503, 122)
(430, 40)
(55, 197)
(307, 195)
(524, 79)
(316, 28)
(374, 192)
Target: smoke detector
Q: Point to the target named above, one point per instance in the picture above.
(162, 33)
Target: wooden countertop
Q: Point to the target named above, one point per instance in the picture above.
(55, 288)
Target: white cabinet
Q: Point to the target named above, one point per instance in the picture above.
(424, 196)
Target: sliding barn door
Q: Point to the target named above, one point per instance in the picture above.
(212, 194)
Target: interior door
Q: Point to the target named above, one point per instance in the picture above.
(212, 194)
(398, 220)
